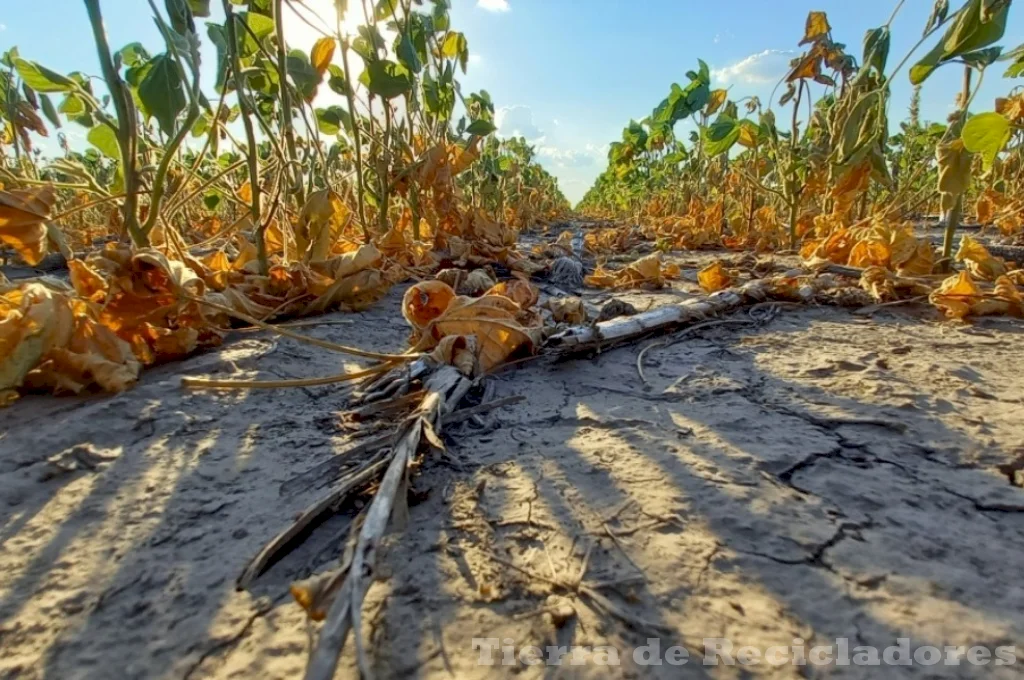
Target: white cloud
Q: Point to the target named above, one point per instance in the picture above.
(493, 5)
(566, 158)
(757, 69)
(3, 27)
(476, 59)
(589, 156)
(517, 121)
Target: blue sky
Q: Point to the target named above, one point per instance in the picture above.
(569, 74)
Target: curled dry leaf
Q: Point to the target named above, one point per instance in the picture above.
(50, 338)
(23, 222)
(648, 271)
(523, 293)
(476, 283)
(889, 246)
(141, 296)
(959, 296)
(715, 277)
(978, 260)
(568, 310)
(884, 286)
(426, 301)
(436, 313)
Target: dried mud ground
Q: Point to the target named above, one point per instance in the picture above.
(824, 475)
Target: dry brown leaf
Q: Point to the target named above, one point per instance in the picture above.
(51, 339)
(715, 277)
(523, 293)
(646, 271)
(978, 260)
(568, 310)
(816, 28)
(23, 216)
(492, 320)
(957, 295)
(426, 301)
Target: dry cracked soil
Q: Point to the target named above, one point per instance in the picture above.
(821, 476)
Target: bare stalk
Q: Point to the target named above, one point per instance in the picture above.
(127, 133)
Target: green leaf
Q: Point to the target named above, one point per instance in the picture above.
(74, 108)
(260, 26)
(369, 43)
(180, 15)
(303, 74)
(332, 120)
(49, 111)
(972, 30)
(134, 54)
(439, 17)
(456, 47)
(387, 79)
(42, 79)
(219, 37)
(105, 139)
(336, 80)
(876, 49)
(481, 128)
(200, 8)
(201, 126)
(939, 12)
(212, 199)
(385, 9)
(986, 134)
(8, 57)
(438, 98)
(721, 135)
(406, 52)
(981, 59)
(162, 92)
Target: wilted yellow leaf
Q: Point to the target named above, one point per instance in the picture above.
(715, 277)
(492, 321)
(817, 27)
(244, 193)
(956, 295)
(523, 293)
(715, 101)
(426, 301)
(23, 216)
(321, 54)
(646, 271)
(51, 339)
(978, 260)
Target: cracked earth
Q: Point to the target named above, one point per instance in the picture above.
(820, 476)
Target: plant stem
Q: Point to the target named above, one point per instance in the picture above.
(356, 136)
(127, 134)
(286, 105)
(252, 151)
(956, 212)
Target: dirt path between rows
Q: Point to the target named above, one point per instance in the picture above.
(822, 476)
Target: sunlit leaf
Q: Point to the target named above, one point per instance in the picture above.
(986, 134)
(42, 79)
(105, 139)
(321, 54)
(817, 27)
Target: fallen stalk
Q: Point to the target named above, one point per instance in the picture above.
(334, 347)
